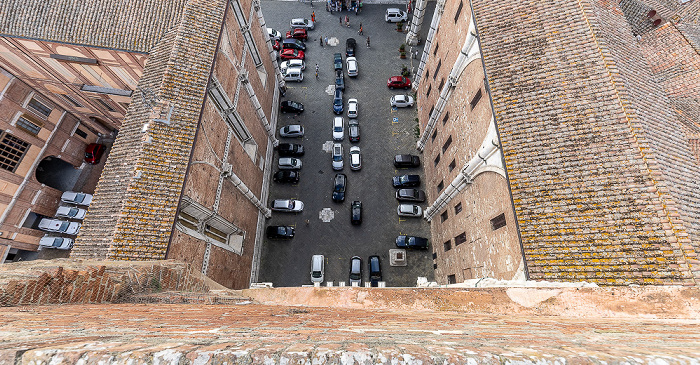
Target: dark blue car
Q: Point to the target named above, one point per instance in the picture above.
(338, 102)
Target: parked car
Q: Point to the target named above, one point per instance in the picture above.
(410, 195)
(401, 101)
(340, 182)
(294, 74)
(298, 33)
(406, 181)
(339, 80)
(351, 63)
(337, 156)
(356, 270)
(73, 197)
(395, 15)
(292, 131)
(412, 242)
(71, 212)
(409, 210)
(292, 63)
(375, 270)
(356, 212)
(355, 158)
(301, 23)
(289, 163)
(287, 205)
(354, 130)
(337, 61)
(60, 226)
(291, 106)
(280, 232)
(286, 176)
(274, 35)
(338, 129)
(275, 45)
(406, 161)
(317, 268)
(350, 47)
(289, 54)
(59, 243)
(94, 152)
(292, 43)
(290, 149)
(338, 101)
(352, 108)
(398, 82)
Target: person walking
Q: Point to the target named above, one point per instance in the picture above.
(340, 19)
(359, 32)
(317, 70)
(367, 41)
(313, 16)
(326, 40)
(320, 39)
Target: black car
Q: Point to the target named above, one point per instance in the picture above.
(339, 183)
(350, 47)
(338, 102)
(375, 270)
(339, 80)
(354, 130)
(412, 242)
(338, 61)
(290, 150)
(286, 176)
(410, 195)
(405, 181)
(280, 232)
(406, 161)
(289, 106)
(356, 212)
(294, 44)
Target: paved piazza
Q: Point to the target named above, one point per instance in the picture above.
(384, 133)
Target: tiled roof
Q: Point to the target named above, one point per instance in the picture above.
(119, 24)
(602, 191)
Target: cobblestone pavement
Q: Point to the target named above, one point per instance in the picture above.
(384, 133)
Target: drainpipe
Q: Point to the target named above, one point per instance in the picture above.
(439, 9)
(273, 57)
(246, 191)
(243, 76)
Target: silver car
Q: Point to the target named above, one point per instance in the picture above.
(301, 23)
(60, 226)
(317, 268)
(289, 163)
(401, 101)
(73, 197)
(337, 156)
(355, 158)
(59, 243)
(409, 210)
(70, 212)
(338, 129)
(287, 205)
(292, 131)
(356, 270)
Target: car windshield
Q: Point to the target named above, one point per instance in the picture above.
(338, 157)
(281, 230)
(338, 102)
(337, 129)
(355, 276)
(316, 274)
(57, 242)
(404, 178)
(79, 197)
(73, 212)
(64, 226)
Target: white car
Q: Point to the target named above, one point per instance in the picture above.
(274, 35)
(289, 163)
(401, 101)
(395, 15)
(352, 108)
(73, 197)
(355, 158)
(71, 212)
(294, 74)
(60, 243)
(352, 66)
(60, 226)
(287, 205)
(292, 131)
(337, 156)
(317, 268)
(338, 128)
(301, 23)
(409, 210)
(292, 63)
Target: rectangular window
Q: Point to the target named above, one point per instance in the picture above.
(446, 118)
(440, 186)
(29, 125)
(215, 234)
(71, 101)
(12, 149)
(106, 90)
(434, 136)
(228, 112)
(437, 69)
(437, 159)
(459, 11)
(447, 144)
(431, 111)
(427, 72)
(187, 220)
(435, 49)
(105, 105)
(443, 216)
(451, 279)
(458, 208)
(81, 133)
(434, 255)
(442, 84)
(461, 238)
(39, 107)
(435, 266)
(447, 245)
(452, 166)
(430, 88)
(498, 222)
(475, 99)
(74, 59)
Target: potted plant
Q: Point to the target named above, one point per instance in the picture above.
(399, 27)
(404, 71)
(402, 47)
(402, 54)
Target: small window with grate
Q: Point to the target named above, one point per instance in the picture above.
(461, 238)
(443, 216)
(446, 118)
(29, 124)
(440, 186)
(427, 72)
(71, 100)
(81, 133)
(437, 160)
(498, 222)
(459, 11)
(39, 107)
(447, 144)
(437, 69)
(451, 279)
(447, 245)
(475, 99)
(458, 208)
(452, 166)
(435, 266)
(12, 149)
(105, 104)
(430, 88)
(434, 136)
(437, 45)
(431, 111)
(442, 83)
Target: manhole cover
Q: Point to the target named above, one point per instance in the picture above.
(330, 90)
(328, 146)
(326, 215)
(397, 257)
(333, 41)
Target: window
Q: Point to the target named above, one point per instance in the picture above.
(81, 133)
(39, 108)
(461, 238)
(106, 90)
(215, 234)
(447, 245)
(458, 208)
(443, 216)
(199, 222)
(430, 88)
(436, 48)
(29, 124)
(451, 279)
(440, 186)
(187, 220)
(74, 59)
(447, 144)
(437, 69)
(442, 84)
(437, 160)
(12, 150)
(459, 11)
(228, 112)
(434, 255)
(105, 104)
(435, 266)
(446, 118)
(430, 113)
(434, 136)
(71, 100)
(452, 166)
(426, 73)
(475, 99)
(498, 222)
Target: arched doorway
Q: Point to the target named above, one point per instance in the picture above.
(57, 173)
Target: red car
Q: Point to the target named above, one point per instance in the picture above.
(298, 33)
(396, 82)
(292, 54)
(276, 45)
(93, 153)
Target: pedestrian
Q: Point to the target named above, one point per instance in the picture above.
(340, 19)
(356, 9)
(313, 16)
(320, 39)
(326, 40)
(367, 41)
(360, 31)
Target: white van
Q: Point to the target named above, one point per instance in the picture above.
(394, 15)
(294, 74)
(317, 262)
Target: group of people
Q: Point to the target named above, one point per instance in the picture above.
(337, 5)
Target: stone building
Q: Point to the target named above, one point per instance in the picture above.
(596, 109)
